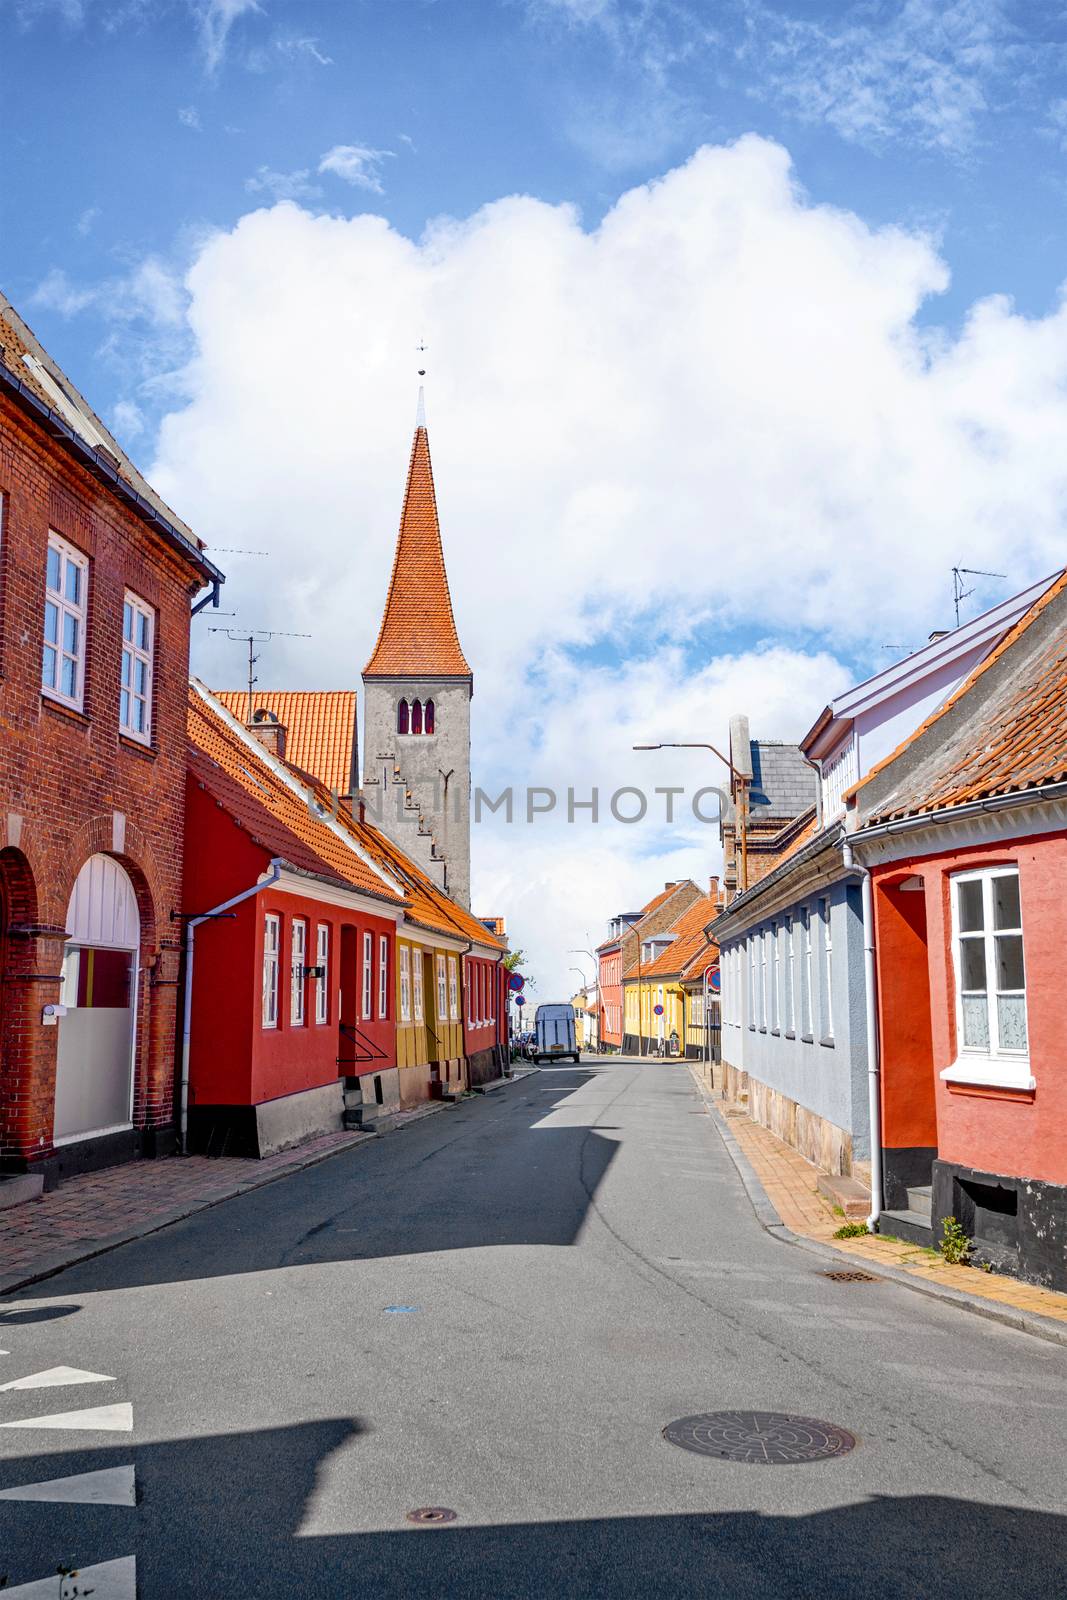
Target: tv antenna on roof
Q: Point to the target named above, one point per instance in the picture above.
(959, 592)
(251, 639)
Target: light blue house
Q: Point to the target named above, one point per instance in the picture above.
(793, 964)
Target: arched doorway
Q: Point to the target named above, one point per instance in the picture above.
(95, 1059)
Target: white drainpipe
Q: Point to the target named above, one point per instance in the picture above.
(187, 1000)
(870, 987)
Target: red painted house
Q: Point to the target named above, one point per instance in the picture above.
(97, 579)
(294, 984)
(964, 832)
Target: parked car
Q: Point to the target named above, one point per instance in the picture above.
(555, 1035)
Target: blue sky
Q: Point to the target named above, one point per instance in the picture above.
(130, 126)
(770, 335)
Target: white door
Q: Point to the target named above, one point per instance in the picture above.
(94, 1068)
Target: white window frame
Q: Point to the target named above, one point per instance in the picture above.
(322, 960)
(272, 939)
(826, 936)
(298, 949)
(405, 983)
(417, 982)
(77, 611)
(383, 977)
(790, 1009)
(442, 990)
(776, 976)
(367, 976)
(751, 944)
(453, 988)
(137, 655)
(996, 1066)
(763, 980)
(807, 976)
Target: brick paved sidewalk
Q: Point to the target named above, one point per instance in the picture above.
(790, 1183)
(102, 1209)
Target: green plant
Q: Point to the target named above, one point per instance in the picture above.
(838, 1211)
(955, 1245)
(851, 1230)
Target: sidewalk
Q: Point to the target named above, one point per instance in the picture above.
(789, 1182)
(88, 1215)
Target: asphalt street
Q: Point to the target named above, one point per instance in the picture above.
(497, 1311)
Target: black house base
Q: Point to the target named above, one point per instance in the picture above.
(1017, 1225)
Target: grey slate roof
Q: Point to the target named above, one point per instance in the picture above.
(783, 784)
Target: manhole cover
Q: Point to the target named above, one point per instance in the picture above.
(852, 1277)
(761, 1438)
(431, 1514)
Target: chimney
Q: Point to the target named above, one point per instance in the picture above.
(266, 727)
(938, 633)
(713, 890)
(671, 884)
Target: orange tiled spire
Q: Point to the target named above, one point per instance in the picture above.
(418, 632)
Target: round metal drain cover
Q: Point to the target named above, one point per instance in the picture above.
(431, 1514)
(760, 1438)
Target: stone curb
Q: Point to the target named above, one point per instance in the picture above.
(767, 1215)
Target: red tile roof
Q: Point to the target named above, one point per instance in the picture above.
(1017, 738)
(418, 633)
(689, 941)
(320, 728)
(247, 781)
(234, 768)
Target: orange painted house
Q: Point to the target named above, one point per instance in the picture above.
(964, 832)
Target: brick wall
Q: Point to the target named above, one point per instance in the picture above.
(71, 786)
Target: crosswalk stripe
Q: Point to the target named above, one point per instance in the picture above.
(110, 1419)
(108, 1580)
(54, 1378)
(109, 1486)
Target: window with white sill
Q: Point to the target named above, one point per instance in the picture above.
(135, 690)
(65, 613)
(987, 947)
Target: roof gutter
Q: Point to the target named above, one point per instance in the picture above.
(101, 468)
(971, 808)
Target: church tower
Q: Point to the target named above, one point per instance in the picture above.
(417, 689)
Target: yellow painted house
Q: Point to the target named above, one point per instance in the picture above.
(666, 962)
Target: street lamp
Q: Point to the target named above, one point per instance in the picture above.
(739, 779)
(596, 968)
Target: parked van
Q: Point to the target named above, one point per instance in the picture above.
(554, 1035)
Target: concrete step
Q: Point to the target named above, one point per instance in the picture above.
(16, 1187)
(919, 1200)
(848, 1193)
(364, 1120)
(487, 1088)
(909, 1225)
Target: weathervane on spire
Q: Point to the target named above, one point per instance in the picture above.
(420, 414)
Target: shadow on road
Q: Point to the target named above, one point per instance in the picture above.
(479, 1175)
(228, 1516)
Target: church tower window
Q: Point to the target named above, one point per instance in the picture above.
(416, 716)
(427, 717)
(402, 717)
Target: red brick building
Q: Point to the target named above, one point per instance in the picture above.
(97, 577)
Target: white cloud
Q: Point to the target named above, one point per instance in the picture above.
(189, 117)
(127, 420)
(715, 411)
(921, 72)
(305, 47)
(150, 292)
(356, 164)
(283, 185)
(215, 18)
(87, 221)
(56, 293)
